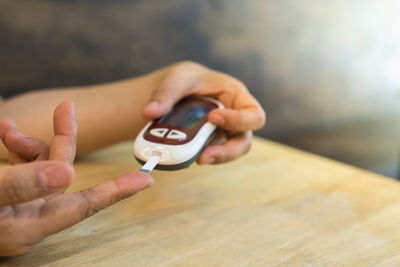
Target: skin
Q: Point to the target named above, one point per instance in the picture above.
(32, 203)
(31, 189)
(125, 106)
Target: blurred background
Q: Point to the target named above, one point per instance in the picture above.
(327, 72)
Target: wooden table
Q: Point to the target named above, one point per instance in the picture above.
(275, 206)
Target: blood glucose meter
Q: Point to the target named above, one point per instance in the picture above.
(178, 137)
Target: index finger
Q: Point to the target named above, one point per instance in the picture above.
(63, 145)
(242, 112)
(68, 209)
(5, 126)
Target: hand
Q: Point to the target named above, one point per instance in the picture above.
(32, 203)
(23, 149)
(241, 115)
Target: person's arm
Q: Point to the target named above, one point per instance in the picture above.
(114, 112)
(107, 113)
(33, 204)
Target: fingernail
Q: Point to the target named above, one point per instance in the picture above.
(146, 182)
(19, 133)
(217, 119)
(153, 105)
(56, 176)
(136, 181)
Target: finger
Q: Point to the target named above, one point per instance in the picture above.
(5, 126)
(242, 111)
(219, 139)
(27, 148)
(231, 149)
(239, 120)
(69, 209)
(15, 159)
(25, 182)
(63, 145)
(170, 92)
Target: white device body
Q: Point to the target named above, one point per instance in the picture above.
(174, 154)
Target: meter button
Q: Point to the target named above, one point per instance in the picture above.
(159, 132)
(174, 134)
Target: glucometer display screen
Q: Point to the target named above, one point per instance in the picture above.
(186, 115)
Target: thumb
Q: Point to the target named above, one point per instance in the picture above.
(25, 182)
(165, 97)
(239, 120)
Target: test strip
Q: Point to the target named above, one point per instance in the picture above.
(150, 164)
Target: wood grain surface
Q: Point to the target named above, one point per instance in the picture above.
(276, 206)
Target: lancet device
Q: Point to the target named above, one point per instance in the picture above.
(175, 140)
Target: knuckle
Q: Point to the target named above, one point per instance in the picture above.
(91, 210)
(15, 192)
(183, 66)
(12, 189)
(161, 94)
(96, 201)
(117, 193)
(187, 64)
(239, 84)
(232, 83)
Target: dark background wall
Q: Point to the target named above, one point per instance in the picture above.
(326, 72)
